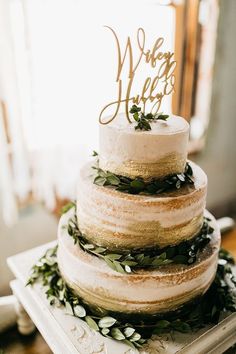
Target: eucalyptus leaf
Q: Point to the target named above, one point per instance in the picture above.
(163, 116)
(135, 109)
(167, 261)
(142, 341)
(136, 117)
(158, 331)
(114, 256)
(157, 262)
(135, 337)
(129, 263)
(60, 281)
(163, 256)
(102, 174)
(110, 263)
(100, 181)
(137, 184)
(92, 324)
(128, 269)
(67, 207)
(178, 184)
(61, 294)
(79, 311)
(49, 261)
(181, 259)
(100, 250)
(181, 326)
(146, 260)
(139, 258)
(129, 331)
(117, 334)
(162, 324)
(106, 322)
(89, 246)
(126, 341)
(69, 309)
(113, 180)
(152, 188)
(105, 331)
(181, 177)
(119, 267)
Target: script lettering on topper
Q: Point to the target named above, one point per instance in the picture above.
(154, 88)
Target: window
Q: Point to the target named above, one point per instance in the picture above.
(57, 75)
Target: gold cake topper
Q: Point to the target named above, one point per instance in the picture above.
(161, 62)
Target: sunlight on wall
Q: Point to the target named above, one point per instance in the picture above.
(59, 72)
(72, 63)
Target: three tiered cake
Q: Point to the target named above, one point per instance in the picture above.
(148, 244)
(137, 253)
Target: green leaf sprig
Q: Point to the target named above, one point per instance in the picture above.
(67, 207)
(128, 261)
(134, 330)
(139, 186)
(143, 120)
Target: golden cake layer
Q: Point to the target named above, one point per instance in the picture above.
(120, 220)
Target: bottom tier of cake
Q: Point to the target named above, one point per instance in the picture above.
(147, 292)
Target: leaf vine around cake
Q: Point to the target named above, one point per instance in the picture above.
(138, 185)
(219, 298)
(128, 261)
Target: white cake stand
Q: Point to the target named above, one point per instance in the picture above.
(66, 334)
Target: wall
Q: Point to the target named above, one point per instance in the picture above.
(219, 156)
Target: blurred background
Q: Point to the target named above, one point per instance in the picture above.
(57, 70)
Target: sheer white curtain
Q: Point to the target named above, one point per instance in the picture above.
(14, 166)
(57, 70)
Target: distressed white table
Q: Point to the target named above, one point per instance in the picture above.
(66, 334)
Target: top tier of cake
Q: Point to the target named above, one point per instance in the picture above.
(150, 154)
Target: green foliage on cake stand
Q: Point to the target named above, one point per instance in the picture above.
(135, 330)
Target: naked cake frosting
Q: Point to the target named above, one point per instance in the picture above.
(120, 220)
(131, 223)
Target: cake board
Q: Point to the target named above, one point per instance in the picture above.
(67, 334)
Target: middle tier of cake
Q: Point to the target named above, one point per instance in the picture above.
(147, 292)
(119, 220)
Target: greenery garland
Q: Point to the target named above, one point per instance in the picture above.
(220, 297)
(138, 185)
(131, 260)
(143, 120)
